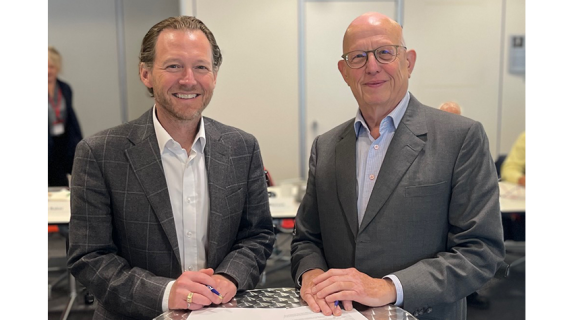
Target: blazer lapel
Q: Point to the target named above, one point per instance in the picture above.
(345, 161)
(145, 160)
(217, 162)
(407, 143)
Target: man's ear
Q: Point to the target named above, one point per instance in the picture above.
(145, 75)
(411, 59)
(341, 65)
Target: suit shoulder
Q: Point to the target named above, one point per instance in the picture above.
(337, 131)
(105, 136)
(442, 120)
(118, 135)
(450, 129)
(227, 132)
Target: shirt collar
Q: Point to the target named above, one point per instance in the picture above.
(395, 116)
(163, 136)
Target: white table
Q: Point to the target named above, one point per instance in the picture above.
(287, 298)
(282, 202)
(512, 201)
(59, 213)
(512, 197)
(284, 206)
(58, 205)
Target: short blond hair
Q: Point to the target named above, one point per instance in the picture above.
(55, 57)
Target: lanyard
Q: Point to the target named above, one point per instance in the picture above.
(56, 105)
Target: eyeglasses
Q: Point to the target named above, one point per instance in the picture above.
(384, 54)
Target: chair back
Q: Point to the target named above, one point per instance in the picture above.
(498, 163)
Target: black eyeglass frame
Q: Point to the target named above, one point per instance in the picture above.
(346, 55)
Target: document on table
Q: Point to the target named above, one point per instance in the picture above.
(305, 313)
(237, 313)
(300, 313)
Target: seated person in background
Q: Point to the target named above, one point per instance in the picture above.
(514, 166)
(401, 205)
(170, 203)
(451, 107)
(63, 127)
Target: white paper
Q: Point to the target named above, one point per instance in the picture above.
(237, 313)
(58, 205)
(305, 313)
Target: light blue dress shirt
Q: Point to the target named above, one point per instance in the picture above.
(370, 153)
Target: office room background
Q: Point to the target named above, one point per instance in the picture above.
(279, 78)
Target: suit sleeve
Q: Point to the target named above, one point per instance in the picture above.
(255, 237)
(475, 248)
(92, 255)
(307, 245)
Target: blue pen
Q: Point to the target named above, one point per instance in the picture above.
(214, 291)
(336, 303)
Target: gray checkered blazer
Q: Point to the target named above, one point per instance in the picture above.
(123, 243)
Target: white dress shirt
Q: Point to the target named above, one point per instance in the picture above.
(186, 177)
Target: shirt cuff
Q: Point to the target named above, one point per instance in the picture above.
(165, 301)
(398, 287)
(300, 278)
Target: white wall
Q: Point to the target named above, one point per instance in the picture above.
(458, 58)
(139, 17)
(513, 115)
(458, 43)
(85, 34)
(257, 82)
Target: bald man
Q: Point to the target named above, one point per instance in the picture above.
(451, 107)
(401, 205)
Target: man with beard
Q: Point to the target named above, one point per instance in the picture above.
(173, 204)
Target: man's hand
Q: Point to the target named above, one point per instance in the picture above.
(225, 287)
(193, 282)
(315, 303)
(351, 285)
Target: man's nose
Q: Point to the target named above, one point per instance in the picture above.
(373, 66)
(188, 78)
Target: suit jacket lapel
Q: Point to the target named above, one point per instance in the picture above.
(145, 160)
(345, 161)
(217, 162)
(407, 143)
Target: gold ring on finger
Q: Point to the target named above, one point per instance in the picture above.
(189, 297)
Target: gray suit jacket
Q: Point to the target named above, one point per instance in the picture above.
(433, 218)
(123, 243)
